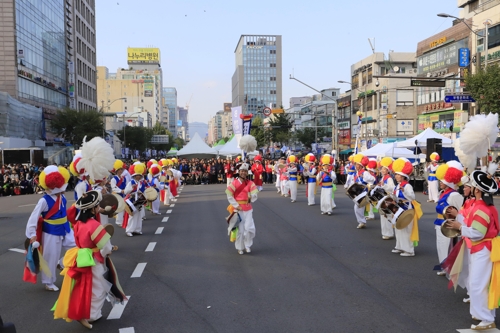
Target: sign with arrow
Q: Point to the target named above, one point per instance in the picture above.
(459, 98)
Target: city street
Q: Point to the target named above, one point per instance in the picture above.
(307, 272)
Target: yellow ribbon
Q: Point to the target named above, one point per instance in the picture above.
(418, 214)
(62, 220)
(494, 290)
(62, 304)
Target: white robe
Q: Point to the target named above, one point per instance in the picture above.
(326, 201)
(292, 185)
(311, 186)
(403, 241)
(359, 212)
(386, 226)
(433, 185)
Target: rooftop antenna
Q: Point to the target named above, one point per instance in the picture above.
(372, 45)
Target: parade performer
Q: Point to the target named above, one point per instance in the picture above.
(277, 171)
(154, 172)
(134, 191)
(432, 181)
(229, 171)
(387, 183)
(325, 179)
(165, 178)
(85, 287)
(449, 176)
(310, 172)
(292, 174)
(372, 169)
(285, 189)
(365, 178)
(240, 194)
(406, 238)
(82, 184)
(48, 224)
(257, 170)
(118, 184)
(173, 183)
(350, 171)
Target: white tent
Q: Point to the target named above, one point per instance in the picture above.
(422, 139)
(196, 148)
(232, 148)
(388, 149)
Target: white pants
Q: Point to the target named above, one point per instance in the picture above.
(104, 219)
(442, 244)
(370, 212)
(310, 193)
(134, 223)
(326, 201)
(403, 241)
(386, 226)
(246, 230)
(359, 212)
(167, 197)
(292, 184)
(284, 186)
(480, 267)
(278, 183)
(155, 205)
(119, 218)
(433, 190)
(52, 248)
(100, 288)
(142, 212)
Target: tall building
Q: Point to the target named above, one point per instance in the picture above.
(81, 54)
(257, 79)
(33, 69)
(170, 97)
(183, 122)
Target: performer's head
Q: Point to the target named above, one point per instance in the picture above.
(402, 168)
(399, 178)
(466, 182)
(118, 167)
(88, 204)
(434, 158)
(243, 171)
(484, 186)
(449, 174)
(385, 165)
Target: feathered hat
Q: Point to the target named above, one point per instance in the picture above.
(175, 160)
(248, 143)
(450, 173)
(360, 159)
(237, 159)
(54, 179)
(326, 159)
(151, 162)
(97, 158)
(475, 141)
(350, 158)
(154, 170)
(72, 167)
(372, 164)
(137, 169)
(386, 162)
(291, 159)
(118, 165)
(310, 158)
(435, 157)
(467, 161)
(402, 166)
(163, 163)
(258, 158)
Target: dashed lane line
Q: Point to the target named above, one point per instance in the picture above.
(151, 247)
(165, 219)
(117, 310)
(169, 211)
(126, 330)
(138, 270)
(27, 205)
(172, 205)
(159, 230)
(17, 250)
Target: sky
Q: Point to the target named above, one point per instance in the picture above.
(321, 40)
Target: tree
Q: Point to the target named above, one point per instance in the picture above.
(484, 87)
(306, 136)
(136, 137)
(280, 127)
(259, 132)
(74, 125)
(159, 129)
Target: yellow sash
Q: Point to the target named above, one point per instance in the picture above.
(418, 214)
(494, 291)
(62, 220)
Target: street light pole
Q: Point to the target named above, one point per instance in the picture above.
(104, 119)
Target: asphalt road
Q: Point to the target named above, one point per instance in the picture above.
(307, 272)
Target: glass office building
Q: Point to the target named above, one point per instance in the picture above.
(257, 80)
(40, 38)
(170, 96)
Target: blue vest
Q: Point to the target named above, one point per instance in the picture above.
(293, 176)
(432, 175)
(141, 186)
(122, 186)
(350, 170)
(440, 207)
(359, 179)
(58, 223)
(152, 184)
(311, 179)
(326, 178)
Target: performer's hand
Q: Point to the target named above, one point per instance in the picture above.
(451, 212)
(32, 239)
(453, 225)
(238, 208)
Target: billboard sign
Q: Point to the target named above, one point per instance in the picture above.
(139, 55)
(235, 117)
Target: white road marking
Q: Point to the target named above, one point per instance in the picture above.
(165, 219)
(159, 230)
(139, 269)
(27, 205)
(17, 250)
(126, 330)
(169, 211)
(172, 205)
(468, 330)
(117, 311)
(151, 247)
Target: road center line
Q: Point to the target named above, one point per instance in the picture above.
(126, 330)
(139, 269)
(159, 230)
(172, 205)
(17, 250)
(27, 205)
(169, 211)
(165, 219)
(117, 311)
(151, 247)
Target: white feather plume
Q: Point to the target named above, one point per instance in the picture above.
(479, 134)
(468, 161)
(248, 143)
(492, 168)
(97, 158)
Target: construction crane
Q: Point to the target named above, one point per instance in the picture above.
(187, 104)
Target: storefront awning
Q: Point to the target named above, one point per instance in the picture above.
(346, 151)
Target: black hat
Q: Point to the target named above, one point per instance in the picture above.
(483, 181)
(88, 200)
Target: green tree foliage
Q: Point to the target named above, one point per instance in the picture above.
(281, 126)
(259, 132)
(136, 137)
(484, 87)
(306, 136)
(74, 125)
(159, 129)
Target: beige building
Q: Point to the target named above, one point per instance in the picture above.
(219, 126)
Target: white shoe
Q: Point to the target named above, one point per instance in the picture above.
(51, 287)
(467, 300)
(130, 234)
(386, 237)
(322, 213)
(396, 251)
(247, 249)
(293, 201)
(407, 254)
(441, 273)
(240, 252)
(361, 226)
(370, 217)
(329, 213)
(310, 204)
(484, 325)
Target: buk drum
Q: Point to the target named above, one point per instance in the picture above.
(151, 194)
(375, 195)
(135, 203)
(402, 213)
(359, 194)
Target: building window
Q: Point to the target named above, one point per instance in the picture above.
(404, 97)
(473, 5)
(272, 51)
(272, 65)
